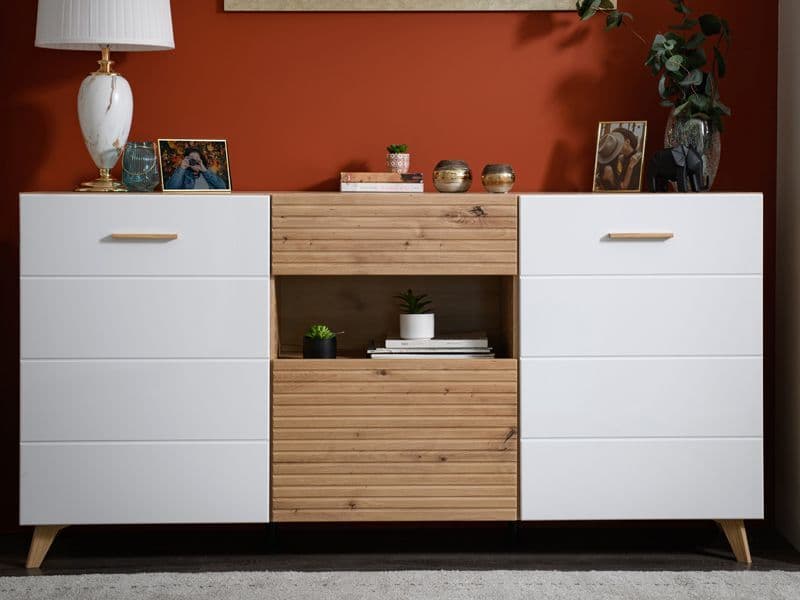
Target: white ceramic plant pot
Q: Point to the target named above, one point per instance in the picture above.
(417, 327)
(398, 163)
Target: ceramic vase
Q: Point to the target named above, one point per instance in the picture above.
(316, 348)
(398, 163)
(105, 111)
(417, 327)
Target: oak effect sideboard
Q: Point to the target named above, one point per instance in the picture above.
(161, 378)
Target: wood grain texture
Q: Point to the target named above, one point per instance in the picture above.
(400, 234)
(395, 440)
(736, 534)
(43, 537)
(364, 308)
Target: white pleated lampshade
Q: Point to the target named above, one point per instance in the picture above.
(123, 25)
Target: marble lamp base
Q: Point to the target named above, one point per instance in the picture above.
(105, 112)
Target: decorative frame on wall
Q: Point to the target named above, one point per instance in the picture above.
(397, 5)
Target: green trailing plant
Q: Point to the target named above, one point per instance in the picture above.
(397, 148)
(319, 332)
(687, 77)
(413, 304)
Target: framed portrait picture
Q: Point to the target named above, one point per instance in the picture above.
(618, 165)
(194, 166)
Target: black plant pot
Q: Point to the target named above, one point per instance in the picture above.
(313, 348)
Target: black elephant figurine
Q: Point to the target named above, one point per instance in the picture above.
(681, 164)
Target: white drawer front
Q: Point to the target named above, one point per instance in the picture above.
(72, 484)
(144, 318)
(641, 479)
(90, 400)
(568, 235)
(217, 235)
(641, 397)
(597, 316)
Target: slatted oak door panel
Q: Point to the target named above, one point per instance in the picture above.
(384, 234)
(394, 440)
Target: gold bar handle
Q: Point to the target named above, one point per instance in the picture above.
(145, 236)
(656, 237)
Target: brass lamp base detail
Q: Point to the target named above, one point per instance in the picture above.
(104, 183)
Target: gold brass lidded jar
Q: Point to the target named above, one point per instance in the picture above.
(498, 179)
(452, 176)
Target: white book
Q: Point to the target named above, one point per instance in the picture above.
(382, 187)
(436, 356)
(429, 350)
(476, 339)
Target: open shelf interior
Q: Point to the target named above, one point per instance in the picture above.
(363, 307)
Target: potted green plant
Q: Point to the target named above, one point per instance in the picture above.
(398, 160)
(416, 320)
(319, 342)
(688, 61)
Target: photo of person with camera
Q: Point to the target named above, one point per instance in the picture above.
(196, 166)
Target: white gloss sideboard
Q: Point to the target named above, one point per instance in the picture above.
(144, 372)
(159, 382)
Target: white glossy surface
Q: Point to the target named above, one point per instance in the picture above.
(607, 316)
(568, 234)
(119, 483)
(144, 318)
(641, 397)
(642, 479)
(69, 400)
(217, 234)
(105, 112)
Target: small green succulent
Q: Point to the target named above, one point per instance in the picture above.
(413, 304)
(397, 148)
(319, 332)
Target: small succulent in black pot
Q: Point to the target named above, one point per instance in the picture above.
(319, 342)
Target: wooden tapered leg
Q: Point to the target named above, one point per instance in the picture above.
(43, 537)
(737, 538)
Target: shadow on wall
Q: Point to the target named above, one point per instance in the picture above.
(28, 127)
(571, 160)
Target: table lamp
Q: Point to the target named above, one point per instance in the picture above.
(105, 101)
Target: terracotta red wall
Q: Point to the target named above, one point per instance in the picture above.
(302, 96)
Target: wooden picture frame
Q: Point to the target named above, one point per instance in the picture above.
(397, 5)
(212, 154)
(619, 157)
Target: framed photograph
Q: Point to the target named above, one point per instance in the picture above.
(618, 165)
(194, 165)
(399, 5)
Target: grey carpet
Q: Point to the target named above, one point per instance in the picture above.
(410, 585)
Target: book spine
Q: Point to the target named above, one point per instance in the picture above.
(382, 187)
(380, 177)
(449, 344)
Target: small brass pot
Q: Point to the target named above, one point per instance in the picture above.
(452, 176)
(498, 179)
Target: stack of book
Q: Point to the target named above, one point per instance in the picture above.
(462, 345)
(381, 182)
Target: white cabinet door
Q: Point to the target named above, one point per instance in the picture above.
(641, 359)
(144, 482)
(679, 478)
(71, 234)
(75, 317)
(106, 400)
(568, 234)
(641, 397)
(631, 316)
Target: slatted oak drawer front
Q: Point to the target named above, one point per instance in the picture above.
(641, 234)
(144, 234)
(402, 440)
(384, 234)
